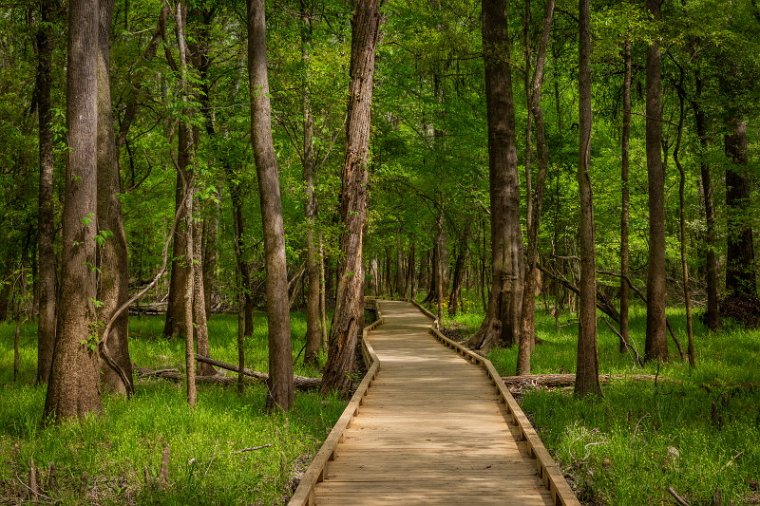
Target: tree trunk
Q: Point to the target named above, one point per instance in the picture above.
(625, 195)
(73, 386)
(45, 220)
(682, 224)
(280, 383)
(656, 346)
(200, 318)
(740, 258)
(174, 324)
(411, 288)
(313, 327)
(459, 266)
(502, 322)
(113, 282)
(348, 319)
(186, 147)
(528, 331)
(587, 364)
(711, 257)
(439, 265)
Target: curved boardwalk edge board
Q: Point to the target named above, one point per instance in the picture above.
(429, 425)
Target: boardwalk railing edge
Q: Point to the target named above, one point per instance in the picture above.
(304, 494)
(548, 469)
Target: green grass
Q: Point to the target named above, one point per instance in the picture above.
(699, 433)
(115, 458)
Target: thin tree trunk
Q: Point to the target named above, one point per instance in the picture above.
(200, 319)
(711, 243)
(45, 219)
(174, 323)
(410, 273)
(501, 325)
(656, 345)
(210, 255)
(348, 319)
(322, 294)
(527, 53)
(280, 383)
(73, 386)
(113, 282)
(528, 331)
(313, 327)
(186, 146)
(459, 270)
(625, 195)
(587, 365)
(439, 264)
(682, 225)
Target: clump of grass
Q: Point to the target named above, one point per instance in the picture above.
(116, 458)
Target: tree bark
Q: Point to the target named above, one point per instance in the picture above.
(348, 319)
(656, 346)
(45, 219)
(528, 331)
(281, 390)
(740, 256)
(186, 147)
(313, 326)
(682, 224)
(625, 195)
(113, 282)
(711, 257)
(200, 318)
(587, 364)
(457, 279)
(73, 386)
(502, 322)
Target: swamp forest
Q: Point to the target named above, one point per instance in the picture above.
(204, 205)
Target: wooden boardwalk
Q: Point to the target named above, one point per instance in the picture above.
(430, 429)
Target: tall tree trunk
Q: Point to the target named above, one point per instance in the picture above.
(587, 364)
(280, 383)
(113, 266)
(439, 264)
(348, 319)
(625, 196)
(186, 148)
(174, 323)
(682, 223)
(313, 327)
(527, 53)
(73, 386)
(210, 255)
(741, 283)
(502, 322)
(45, 219)
(711, 244)
(656, 346)
(410, 288)
(528, 331)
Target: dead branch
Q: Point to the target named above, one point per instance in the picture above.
(254, 448)
(679, 500)
(532, 381)
(301, 382)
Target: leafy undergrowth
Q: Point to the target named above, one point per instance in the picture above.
(697, 431)
(116, 458)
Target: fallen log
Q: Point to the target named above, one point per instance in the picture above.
(529, 381)
(301, 382)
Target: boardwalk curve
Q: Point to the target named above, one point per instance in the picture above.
(429, 425)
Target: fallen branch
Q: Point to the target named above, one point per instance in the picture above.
(301, 382)
(679, 500)
(602, 302)
(628, 346)
(254, 448)
(518, 383)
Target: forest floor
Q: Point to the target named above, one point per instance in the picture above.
(698, 433)
(116, 458)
